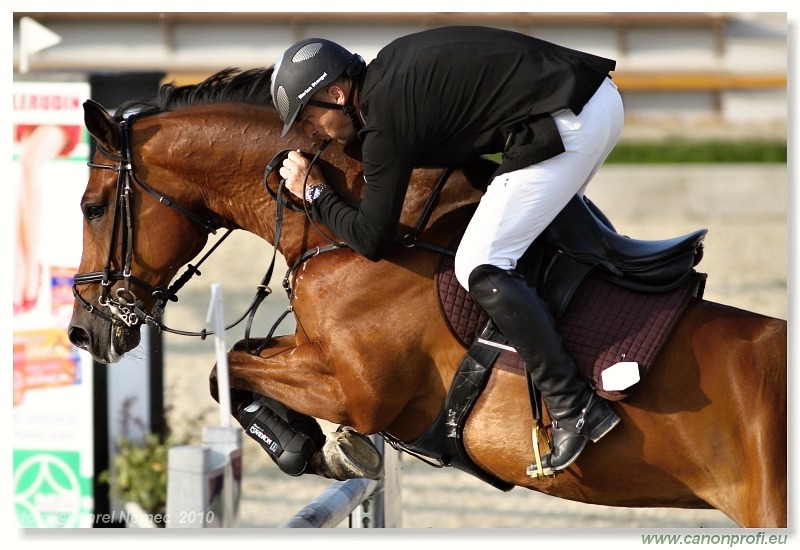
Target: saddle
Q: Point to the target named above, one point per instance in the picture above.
(614, 299)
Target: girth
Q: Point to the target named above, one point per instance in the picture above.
(442, 444)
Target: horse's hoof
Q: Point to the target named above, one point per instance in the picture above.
(348, 454)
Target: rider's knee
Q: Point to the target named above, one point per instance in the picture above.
(463, 265)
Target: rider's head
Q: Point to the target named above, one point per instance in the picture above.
(304, 69)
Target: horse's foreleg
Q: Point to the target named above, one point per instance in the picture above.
(299, 376)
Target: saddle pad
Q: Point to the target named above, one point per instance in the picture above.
(602, 323)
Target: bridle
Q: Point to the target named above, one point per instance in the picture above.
(123, 306)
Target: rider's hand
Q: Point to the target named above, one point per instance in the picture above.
(294, 172)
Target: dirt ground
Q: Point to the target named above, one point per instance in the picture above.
(746, 258)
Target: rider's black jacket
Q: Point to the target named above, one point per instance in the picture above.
(446, 96)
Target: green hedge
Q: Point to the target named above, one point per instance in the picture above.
(682, 152)
(687, 152)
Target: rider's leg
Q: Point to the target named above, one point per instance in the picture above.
(577, 414)
(514, 211)
(518, 206)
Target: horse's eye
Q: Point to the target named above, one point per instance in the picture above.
(94, 211)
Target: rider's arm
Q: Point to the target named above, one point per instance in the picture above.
(370, 227)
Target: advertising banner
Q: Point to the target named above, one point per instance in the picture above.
(52, 393)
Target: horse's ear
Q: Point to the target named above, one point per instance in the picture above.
(101, 125)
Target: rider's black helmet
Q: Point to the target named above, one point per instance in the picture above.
(305, 68)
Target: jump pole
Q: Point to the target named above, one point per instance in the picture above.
(367, 503)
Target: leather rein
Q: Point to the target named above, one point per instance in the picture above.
(125, 308)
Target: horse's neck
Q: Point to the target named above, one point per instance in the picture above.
(214, 158)
(218, 155)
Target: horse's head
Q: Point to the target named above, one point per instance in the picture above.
(140, 225)
(167, 172)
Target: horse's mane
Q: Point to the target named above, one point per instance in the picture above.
(227, 86)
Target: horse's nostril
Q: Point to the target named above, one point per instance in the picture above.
(79, 337)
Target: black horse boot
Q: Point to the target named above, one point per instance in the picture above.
(578, 415)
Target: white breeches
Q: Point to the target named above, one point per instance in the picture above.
(519, 205)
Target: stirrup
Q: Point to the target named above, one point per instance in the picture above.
(536, 469)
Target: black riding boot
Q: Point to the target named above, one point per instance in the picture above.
(578, 415)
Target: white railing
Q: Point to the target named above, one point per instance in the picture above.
(368, 503)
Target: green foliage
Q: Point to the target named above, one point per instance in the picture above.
(138, 469)
(140, 472)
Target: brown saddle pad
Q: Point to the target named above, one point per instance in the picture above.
(603, 324)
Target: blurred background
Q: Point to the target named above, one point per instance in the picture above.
(708, 68)
(704, 145)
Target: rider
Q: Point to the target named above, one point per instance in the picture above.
(442, 97)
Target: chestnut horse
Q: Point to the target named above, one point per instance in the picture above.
(707, 427)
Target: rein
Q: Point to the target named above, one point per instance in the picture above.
(280, 203)
(126, 309)
(409, 240)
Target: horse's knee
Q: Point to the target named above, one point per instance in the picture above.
(237, 396)
(213, 387)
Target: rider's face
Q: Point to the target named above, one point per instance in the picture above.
(320, 123)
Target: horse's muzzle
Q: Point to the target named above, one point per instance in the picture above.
(106, 342)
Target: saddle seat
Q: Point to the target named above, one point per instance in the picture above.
(583, 233)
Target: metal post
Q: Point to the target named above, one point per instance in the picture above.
(186, 486)
(384, 508)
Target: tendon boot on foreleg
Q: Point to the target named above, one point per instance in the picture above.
(290, 439)
(578, 414)
(295, 442)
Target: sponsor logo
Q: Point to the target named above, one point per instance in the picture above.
(313, 85)
(270, 444)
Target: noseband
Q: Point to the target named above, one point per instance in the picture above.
(123, 306)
